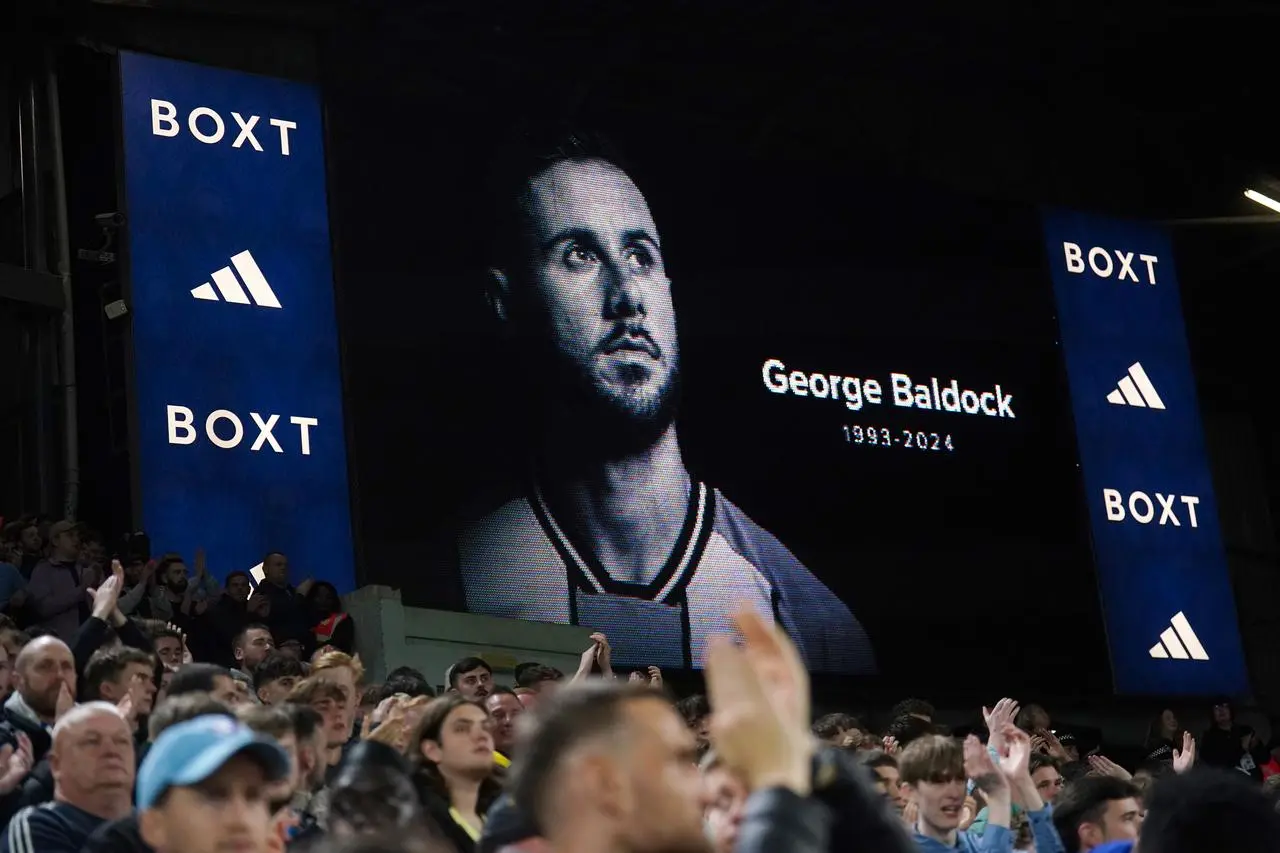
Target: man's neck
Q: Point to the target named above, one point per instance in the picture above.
(631, 508)
(464, 793)
(942, 836)
(334, 754)
(108, 803)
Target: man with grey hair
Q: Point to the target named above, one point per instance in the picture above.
(93, 765)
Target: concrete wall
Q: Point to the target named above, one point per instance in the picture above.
(389, 635)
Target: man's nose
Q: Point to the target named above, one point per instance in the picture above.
(625, 296)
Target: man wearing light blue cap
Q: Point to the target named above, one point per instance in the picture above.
(203, 787)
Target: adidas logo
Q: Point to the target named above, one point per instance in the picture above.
(229, 289)
(1179, 642)
(1135, 389)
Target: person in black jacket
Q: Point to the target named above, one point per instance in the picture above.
(1230, 746)
(453, 754)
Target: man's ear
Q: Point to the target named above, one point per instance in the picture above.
(431, 751)
(1090, 835)
(151, 828)
(497, 293)
(238, 653)
(262, 695)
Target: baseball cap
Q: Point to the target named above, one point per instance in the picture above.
(60, 527)
(191, 752)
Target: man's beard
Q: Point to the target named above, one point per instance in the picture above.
(178, 586)
(601, 420)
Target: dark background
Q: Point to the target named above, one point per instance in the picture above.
(1150, 110)
(777, 247)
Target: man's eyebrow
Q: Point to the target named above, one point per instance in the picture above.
(587, 235)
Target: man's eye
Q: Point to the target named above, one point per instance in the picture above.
(640, 258)
(576, 255)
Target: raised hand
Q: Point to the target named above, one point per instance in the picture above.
(979, 767)
(1004, 712)
(636, 678)
(604, 653)
(1106, 767)
(64, 703)
(1185, 758)
(1052, 745)
(891, 745)
(655, 677)
(128, 709)
(107, 595)
(1015, 753)
(760, 696)
(15, 764)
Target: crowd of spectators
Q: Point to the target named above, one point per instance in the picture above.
(147, 707)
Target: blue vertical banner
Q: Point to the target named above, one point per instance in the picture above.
(238, 389)
(1166, 594)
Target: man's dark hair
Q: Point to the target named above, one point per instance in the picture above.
(1039, 761)
(533, 674)
(907, 728)
(467, 664)
(179, 709)
(873, 758)
(1085, 801)
(238, 642)
(912, 707)
(162, 630)
(237, 574)
(693, 708)
(571, 716)
(276, 667)
(1209, 809)
(195, 678)
(830, 725)
(306, 720)
(108, 664)
(525, 157)
(406, 680)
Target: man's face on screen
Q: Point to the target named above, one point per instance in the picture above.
(600, 288)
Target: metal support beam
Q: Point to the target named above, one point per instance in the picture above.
(33, 288)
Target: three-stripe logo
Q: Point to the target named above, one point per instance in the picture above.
(1179, 642)
(228, 287)
(1135, 389)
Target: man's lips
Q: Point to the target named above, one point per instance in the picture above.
(633, 343)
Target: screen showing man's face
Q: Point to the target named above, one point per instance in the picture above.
(601, 288)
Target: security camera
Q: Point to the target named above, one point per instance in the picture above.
(110, 220)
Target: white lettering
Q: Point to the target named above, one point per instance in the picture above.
(1114, 505)
(180, 419)
(772, 374)
(1095, 253)
(1126, 266)
(219, 128)
(237, 434)
(1075, 258)
(164, 121)
(1143, 510)
(264, 432)
(1145, 515)
(1150, 261)
(1190, 501)
(246, 131)
(285, 127)
(799, 384)
(304, 426)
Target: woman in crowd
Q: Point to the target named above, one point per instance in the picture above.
(1163, 736)
(452, 751)
(331, 626)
